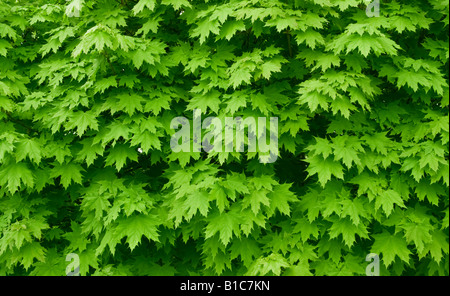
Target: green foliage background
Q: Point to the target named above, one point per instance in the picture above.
(364, 137)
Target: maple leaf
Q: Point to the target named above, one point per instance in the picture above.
(387, 199)
(196, 201)
(255, 199)
(280, 198)
(240, 75)
(68, 173)
(226, 224)
(177, 3)
(204, 28)
(236, 101)
(119, 154)
(88, 91)
(245, 248)
(419, 233)
(134, 227)
(266, 265)
(437, 247)
(15, 174)
(324, 168)
(390, 246)
(353, 209)
(210, 100)
(229, 29)
(347, 148)
(105, 83)
(90, 151)
(142, 4)
(348, 230)
(306, 229)
(130, 103)
(82, 120)
(30, 148)
(311, 37)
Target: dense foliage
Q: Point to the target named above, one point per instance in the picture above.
(88, 90)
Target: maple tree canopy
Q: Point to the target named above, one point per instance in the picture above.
(88, 90)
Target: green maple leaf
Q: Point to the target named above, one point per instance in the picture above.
(321, 60)
(274, 263)
(284, 23)
(90, 151)
(157, 104)
(306, 229)
(236, 183)
(331, 204)
(387, 199)
(429, 191)
(321, 147)
(177, 3)
(229, 29)
(119, 154)
(76, 238)
(81, 121)
(136, 226)
(348, 230)
(255, 199)
(104, 84)
(310, 37)
(88, 259)
(419, 233)
(324, 168)
(347, 149)
(204, 28)
(142, 4)
(209, 100)
(28, 253)
(225, 224)
(13, 175)
(272, 66)
(260, 101)
(4, 46)
(129, 81)
(300, 269)
(237, 100)
(196, 201)
(7, 31)
(353, 209)
(280, 198)
(239, 76)
(130, 103)
(390, 246)
(146, 141)
(378, 142)
(114, 131)
(249, 219)
(246, 248)
(30, 148)
(313, 99)
(150, 25)
(445, 221)
(53, 265)
(437, 247)
(135, 199)
(184, 157)
(68, 173)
